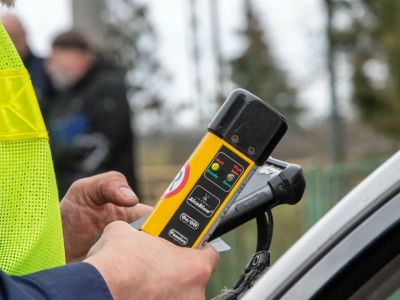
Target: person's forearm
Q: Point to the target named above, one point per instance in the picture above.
(74, 281)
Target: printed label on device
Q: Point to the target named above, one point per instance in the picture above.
(207, 195)
(203, 201)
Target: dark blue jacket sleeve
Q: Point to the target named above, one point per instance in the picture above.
(70, 282)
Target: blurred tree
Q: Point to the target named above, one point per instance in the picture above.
(86, 16)
(377, 66)
(257, 71)
(131, 42)
(336, 138)
(372, 41)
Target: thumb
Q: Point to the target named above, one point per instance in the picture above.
(112, 187)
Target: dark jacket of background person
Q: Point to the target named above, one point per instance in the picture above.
(40, 80)
(90, 127)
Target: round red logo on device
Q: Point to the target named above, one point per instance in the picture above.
(178, 183)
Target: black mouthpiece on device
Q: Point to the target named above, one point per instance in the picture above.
(250, 125)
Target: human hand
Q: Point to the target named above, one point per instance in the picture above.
(136, 265)
(90, 205)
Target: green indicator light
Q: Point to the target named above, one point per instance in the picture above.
(215, 167)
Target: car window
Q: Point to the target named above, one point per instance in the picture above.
(374, 274)
(395, 296)
(385, 284)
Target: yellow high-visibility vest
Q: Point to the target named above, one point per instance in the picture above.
(30, 224)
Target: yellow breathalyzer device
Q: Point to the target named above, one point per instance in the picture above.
(240, 138)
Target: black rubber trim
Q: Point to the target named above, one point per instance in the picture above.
(335, 240)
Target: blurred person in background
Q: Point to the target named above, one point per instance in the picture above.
(89, 121)
(34, 64)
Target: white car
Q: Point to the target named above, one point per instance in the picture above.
(353, 252)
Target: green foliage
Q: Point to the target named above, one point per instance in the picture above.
(131, 41)
(373, 44)
(257, 71)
